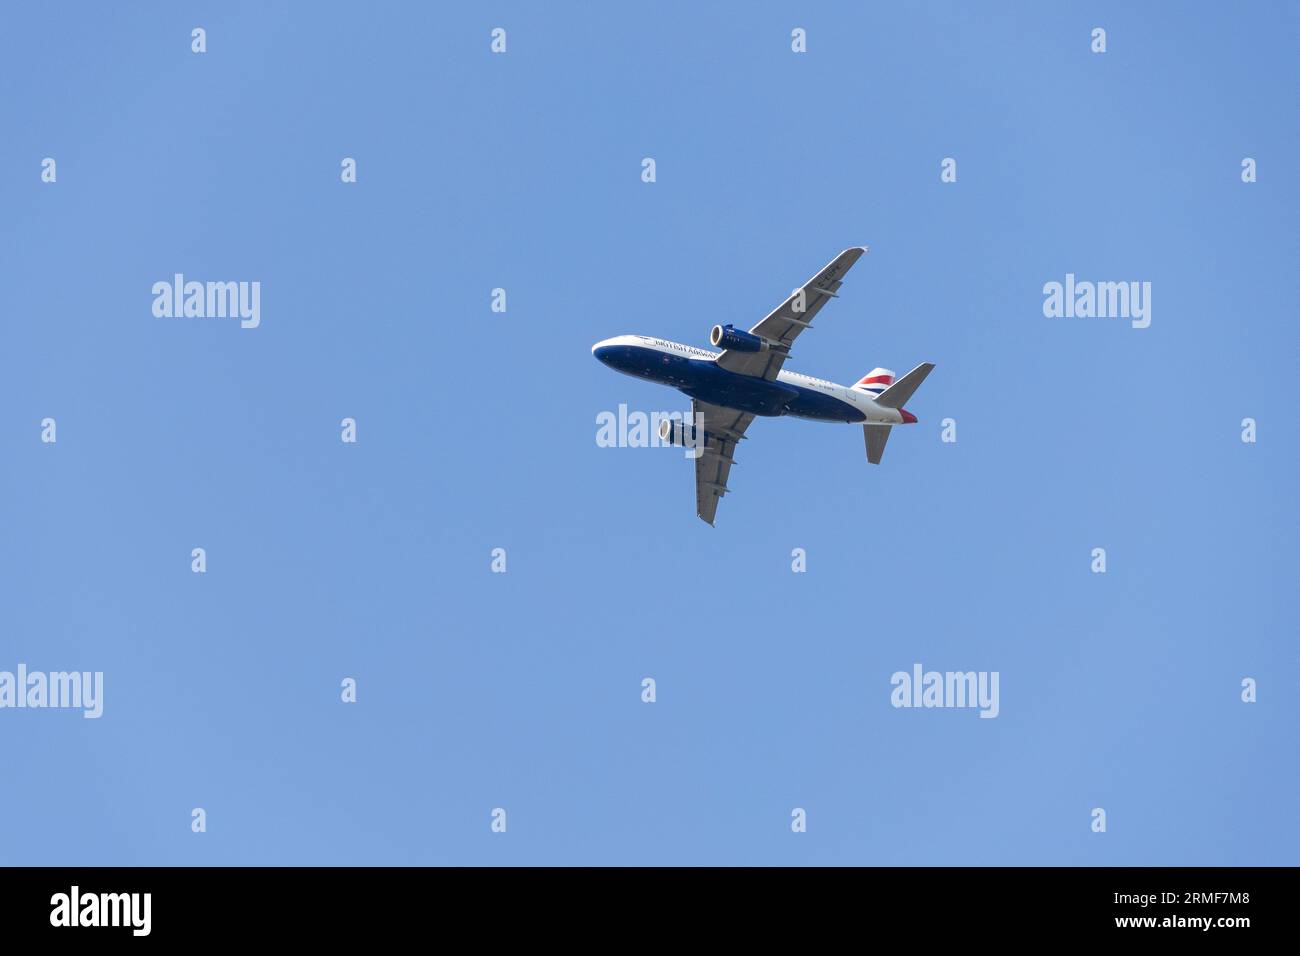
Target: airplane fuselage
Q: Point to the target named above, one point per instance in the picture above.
(696, 372)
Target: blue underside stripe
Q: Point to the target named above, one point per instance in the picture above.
(707, 381)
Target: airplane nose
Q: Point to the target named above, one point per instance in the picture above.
(603, 351)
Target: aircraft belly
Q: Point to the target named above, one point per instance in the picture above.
(818, 407)
(711, 383)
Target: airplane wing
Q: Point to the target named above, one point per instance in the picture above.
(723, 430)
(785, 323)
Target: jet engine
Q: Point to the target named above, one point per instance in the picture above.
(678, 433)
(730, 337)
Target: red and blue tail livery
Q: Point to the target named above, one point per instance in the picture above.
(875, 381)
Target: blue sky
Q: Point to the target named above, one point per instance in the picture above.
(476, 430)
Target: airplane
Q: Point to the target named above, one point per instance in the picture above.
(746, 379)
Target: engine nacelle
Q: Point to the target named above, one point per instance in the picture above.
(682, 434)
(730, 337)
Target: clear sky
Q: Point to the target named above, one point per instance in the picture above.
(476, 430)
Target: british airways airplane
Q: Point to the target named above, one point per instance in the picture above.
(746, 379)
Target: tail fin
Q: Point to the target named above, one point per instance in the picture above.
(893, 396)
(875, 381)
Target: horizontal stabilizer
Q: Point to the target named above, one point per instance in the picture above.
(897, 394)
(876, 436)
